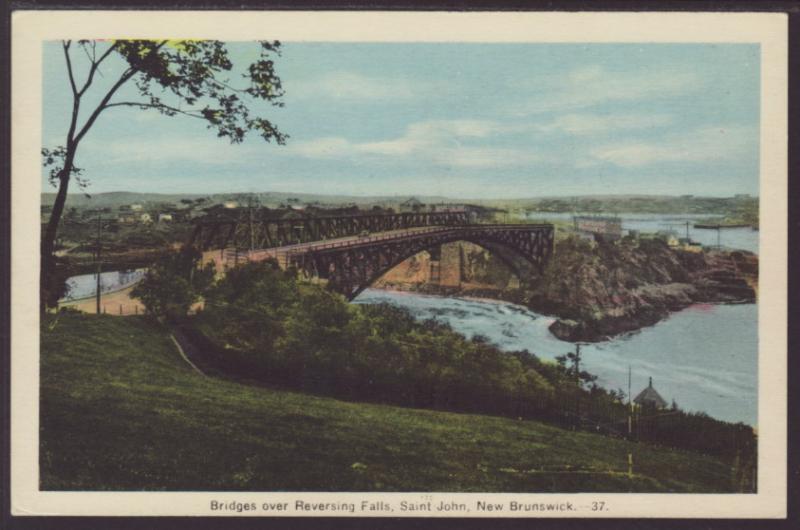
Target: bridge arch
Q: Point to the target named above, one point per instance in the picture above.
(351, 270)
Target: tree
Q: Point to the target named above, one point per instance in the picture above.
(187, 78)
(173, 284)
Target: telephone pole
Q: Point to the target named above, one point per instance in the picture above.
(578, 381)
(630, 405)
(97, 261)
(250, 212)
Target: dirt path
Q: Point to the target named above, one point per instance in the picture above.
(116, 303)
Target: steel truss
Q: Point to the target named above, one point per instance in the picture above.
(351, 268)
(249, 229)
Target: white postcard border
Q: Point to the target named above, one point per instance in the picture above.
(31, 28)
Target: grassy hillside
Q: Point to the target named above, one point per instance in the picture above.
(120, 410)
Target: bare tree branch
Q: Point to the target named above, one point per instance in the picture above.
(66, 44)
(87, 54)
(90, 121)
(156, 106)
(95, 66)
(130, 72)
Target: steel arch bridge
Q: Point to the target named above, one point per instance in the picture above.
(350, 264)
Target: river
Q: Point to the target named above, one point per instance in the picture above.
(744, 238)
(85, 285)
(704, 357)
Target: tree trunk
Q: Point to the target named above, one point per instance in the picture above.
(47, 268)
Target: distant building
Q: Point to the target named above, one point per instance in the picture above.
(136, 207)
(164, 217)
(230, 204)
(126, 219)
(608, 228)
(412, 204)
(649, 396)
(145, 218)
(689, 245)
(670, 238)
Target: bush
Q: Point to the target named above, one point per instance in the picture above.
(173, 284)
(266, 325)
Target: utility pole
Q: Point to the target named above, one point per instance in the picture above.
(630, 405)
(630, 424)
(97, 261)
(578, 381)
(250, 211)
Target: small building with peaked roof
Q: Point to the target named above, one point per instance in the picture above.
(649, 396)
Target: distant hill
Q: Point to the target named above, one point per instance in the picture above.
(119, 198)
(622, 203)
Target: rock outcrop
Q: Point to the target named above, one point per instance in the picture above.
(602, 290)
(599, 290)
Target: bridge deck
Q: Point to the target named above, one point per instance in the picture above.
(282, 254)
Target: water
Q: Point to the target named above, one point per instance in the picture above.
(85, 285)
(739, 238)
(704, 357)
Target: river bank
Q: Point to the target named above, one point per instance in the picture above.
(705, 356)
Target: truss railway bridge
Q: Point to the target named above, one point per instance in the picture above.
(350, 252)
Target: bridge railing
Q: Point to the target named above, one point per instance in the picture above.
(286, 253)
(350, 241)
(355, 240)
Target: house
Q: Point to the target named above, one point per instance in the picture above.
(689, 245)
(145, 218)
(649, 397)
(412, 204)
(606, 228)
(126, 219)
(164, 217)
(670, 238)
(136, 207)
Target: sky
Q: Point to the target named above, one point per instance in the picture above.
(458, 120)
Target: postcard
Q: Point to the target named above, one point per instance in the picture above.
(399, 264)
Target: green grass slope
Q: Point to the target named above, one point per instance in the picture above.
(120, 410)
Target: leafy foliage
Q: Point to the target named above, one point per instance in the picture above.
(121, 411)
(170, 287)
(261, 323)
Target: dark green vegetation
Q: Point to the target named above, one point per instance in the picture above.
(260, 323)
(173, 284)
(120, 410)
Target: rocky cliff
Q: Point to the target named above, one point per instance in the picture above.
(597, 290)
(601, 290)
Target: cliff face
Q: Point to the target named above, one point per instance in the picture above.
(601, 290)
(597, 290)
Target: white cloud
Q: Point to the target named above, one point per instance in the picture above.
(584, 124)
(587, 87)
(353, 86)
(214, 151)
(441, 143)
(701, 145)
